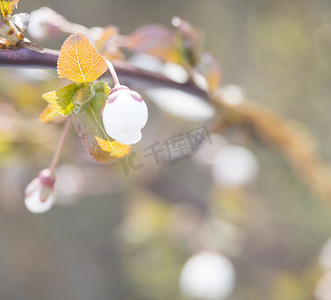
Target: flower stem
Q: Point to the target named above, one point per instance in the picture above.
(112, 72)
(59, 146)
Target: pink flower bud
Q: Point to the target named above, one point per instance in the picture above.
(124, 115)
(39, 194)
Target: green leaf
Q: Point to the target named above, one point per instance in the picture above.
(88, 124)
(83, 96)
(60, 100)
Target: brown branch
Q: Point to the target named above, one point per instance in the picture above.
(27, 58)
(42, 58)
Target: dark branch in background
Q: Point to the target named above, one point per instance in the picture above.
(293, 143)
(27, 58)
(47, 59)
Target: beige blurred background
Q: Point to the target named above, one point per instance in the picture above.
(119, 240)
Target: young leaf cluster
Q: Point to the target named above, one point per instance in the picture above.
(83, 100)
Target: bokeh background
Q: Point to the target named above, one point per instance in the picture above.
(125, 237)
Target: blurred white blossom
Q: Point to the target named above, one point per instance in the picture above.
(232, 94)
(69, 184)
(146, 62)
(207, 151)
(200, 81)
(207, 276)
(181, 104)
(175, 72)
(33, 75)
(323, 287)
(325, 255)
(234, 166)
(45, 23)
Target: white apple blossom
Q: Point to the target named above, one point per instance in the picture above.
(124, 115)
(39, 194)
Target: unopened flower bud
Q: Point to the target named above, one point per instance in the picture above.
(124, 115)
(39, 194)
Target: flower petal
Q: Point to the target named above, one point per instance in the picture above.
(136, 115)
(128, 137)
(34, 203)
(124, 115)
(112, 119)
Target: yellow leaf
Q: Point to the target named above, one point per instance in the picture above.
(60, 100)
(79, 61)
(48, 115)
(115, 148)
(7, 6)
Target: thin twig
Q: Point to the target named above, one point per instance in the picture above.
(112, 72)
(60, 144)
